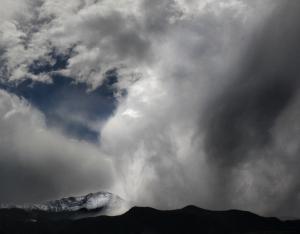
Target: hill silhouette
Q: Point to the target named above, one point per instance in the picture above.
(145, 220)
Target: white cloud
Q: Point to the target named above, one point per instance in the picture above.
(128, 35)
(39, 164)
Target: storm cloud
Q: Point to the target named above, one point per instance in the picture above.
(242, 122)
(203, 105)
(267, 81)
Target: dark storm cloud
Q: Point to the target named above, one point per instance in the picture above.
(251, 123)
(240, 119)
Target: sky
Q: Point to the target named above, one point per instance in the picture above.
(164, 102)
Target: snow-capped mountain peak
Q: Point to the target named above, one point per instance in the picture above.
(92, 204)
(91, 201)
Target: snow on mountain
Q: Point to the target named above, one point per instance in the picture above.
(93, 204)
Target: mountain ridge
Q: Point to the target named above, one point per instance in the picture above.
(143, 220)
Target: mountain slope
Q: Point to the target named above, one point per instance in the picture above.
(143, 220)
(93, 204)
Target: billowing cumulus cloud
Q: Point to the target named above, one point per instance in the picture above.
(207, 99)
(37, 164)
